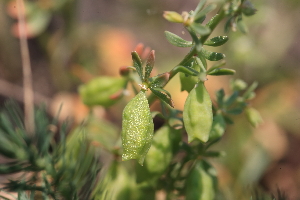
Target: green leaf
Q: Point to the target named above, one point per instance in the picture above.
(230, 24)
(212, 21)
(149, 64)
(189, 82)
(238, 85)
(186, 70)
(216, 41)
(176, 40)
(199, 6)
(203, 12)
(137, 64)
(163, 95)
(221, 71)
(200, 29)
(220, 94)
(137, 128)
(241, 25)
(228, 120)
(235, 111)
(218, 65)
(200, 20)
(197, 114)
(200, 64)
(218, 127)
(231, 99)
(160, 80)
(212, 56)
(201, 183)
(203, 60)
(249, 92)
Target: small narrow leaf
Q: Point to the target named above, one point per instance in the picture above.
(200, 29)
(203, 60)
(212, 21)
(218, 127)
(205, 11)
(249, 92)
(163, 95)
(201, 65)
(149, 64)
(212, 56)
(235, 111)
(220, 94)
(216, 41)
(231, 99)
(241, 25)
(186, 70)
(137, 64)
(218, 65)
(200, 20)
(199, 6)
(221, 71)
(189, 82)
(160, 80)
(176, 40)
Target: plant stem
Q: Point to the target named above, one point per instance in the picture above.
(27, 74)
(217, 19)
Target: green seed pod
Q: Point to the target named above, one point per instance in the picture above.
(160, 153)
(201, 183)
(197, 114)
(104, 91)
(137, 128)
(165, 144)
(116, 184)
(253, 116)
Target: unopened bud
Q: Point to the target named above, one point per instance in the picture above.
(124, 70)
(104, 91)
(248, 8)
(172, 16)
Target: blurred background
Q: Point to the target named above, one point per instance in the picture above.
(74, 41)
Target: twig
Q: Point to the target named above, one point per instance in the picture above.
(27, 75)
